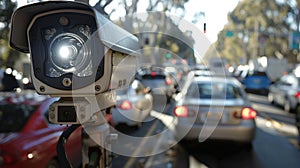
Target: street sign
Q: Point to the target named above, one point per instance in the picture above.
(294, 40)
(229, 33)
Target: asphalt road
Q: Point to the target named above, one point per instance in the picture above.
(275, 144)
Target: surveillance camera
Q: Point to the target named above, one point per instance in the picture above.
(75, 50)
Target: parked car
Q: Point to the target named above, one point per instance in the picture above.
(204, 101)
(257, 81)
(285, 92)
(133, 106)
(27, 139)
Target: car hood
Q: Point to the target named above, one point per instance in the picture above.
(8, 137)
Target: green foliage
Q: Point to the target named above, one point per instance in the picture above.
(7, 55)
(258, 27)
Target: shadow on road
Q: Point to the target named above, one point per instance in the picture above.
(218, 154)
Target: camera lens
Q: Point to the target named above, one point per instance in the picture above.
(67, 52)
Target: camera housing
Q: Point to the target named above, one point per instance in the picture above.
(75, 50)
(77, 54)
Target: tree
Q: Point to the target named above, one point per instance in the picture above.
(155, 25)
(258, 27)
(8, 55)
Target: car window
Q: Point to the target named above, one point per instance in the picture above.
(287, 80)
(136, 88)
(213, 90)
(14, 117)
(290, 80)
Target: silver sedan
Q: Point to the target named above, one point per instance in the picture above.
(214, 108)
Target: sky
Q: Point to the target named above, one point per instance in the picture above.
(215, 13)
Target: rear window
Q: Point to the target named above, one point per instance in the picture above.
(213, 91)
(257, 73)
(13, 117)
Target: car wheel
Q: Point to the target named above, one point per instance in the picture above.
(138, 125)
(287, 106)
(271, 98)
(297, 117)
(53, 164)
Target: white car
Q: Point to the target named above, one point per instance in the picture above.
(133, 106)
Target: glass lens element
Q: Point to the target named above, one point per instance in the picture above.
(65, 52)
(69, 52)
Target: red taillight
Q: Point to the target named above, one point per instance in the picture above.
(168, 81)
(248, 113)
(125, 105)
(181, 111)
(297, 95)
(153, 74)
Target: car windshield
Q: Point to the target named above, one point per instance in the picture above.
(213, 90)
(14, 117)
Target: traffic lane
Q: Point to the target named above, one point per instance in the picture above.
(270, 111)
(274, 121)
(273, 146)
(147, 129)
(215, 154)
(151, 126)
(268, 151)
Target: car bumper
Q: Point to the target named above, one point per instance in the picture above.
(242, 133)
(129, 117)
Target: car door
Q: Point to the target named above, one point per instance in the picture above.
(277, 89)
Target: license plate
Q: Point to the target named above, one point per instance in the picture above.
(211, 116)
(256, 81)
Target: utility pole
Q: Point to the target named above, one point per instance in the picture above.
(256, 39)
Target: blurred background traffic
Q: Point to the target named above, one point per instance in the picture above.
(225, 98)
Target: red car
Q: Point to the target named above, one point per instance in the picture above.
(27, 139)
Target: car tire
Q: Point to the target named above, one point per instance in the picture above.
(249, 147)
(297, 118)
(271, 98)
(287, 106)
(53, 164)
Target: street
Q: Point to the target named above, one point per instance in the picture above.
(275, 144)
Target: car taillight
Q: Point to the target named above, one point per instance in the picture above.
(153, 74)
(125, 105)
(297, 95)
(181, 111)
(248, 113)
(168, 81)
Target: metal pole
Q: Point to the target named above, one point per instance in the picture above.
(256, 40)
(96, 136)
(96, 143)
